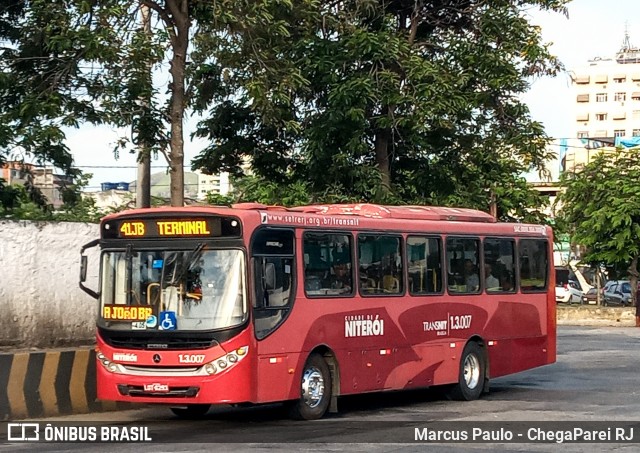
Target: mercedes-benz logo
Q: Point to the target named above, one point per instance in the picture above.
(157, 358)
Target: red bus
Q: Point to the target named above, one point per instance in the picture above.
(256, 304)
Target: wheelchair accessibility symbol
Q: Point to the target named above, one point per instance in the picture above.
(168, 320)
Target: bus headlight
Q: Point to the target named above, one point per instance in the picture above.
(110, 366)
(225, 362)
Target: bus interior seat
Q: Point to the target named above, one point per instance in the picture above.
(368, 285)
(390, 284)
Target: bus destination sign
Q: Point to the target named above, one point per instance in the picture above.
(159, 228)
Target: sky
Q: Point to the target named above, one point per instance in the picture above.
(594, 28)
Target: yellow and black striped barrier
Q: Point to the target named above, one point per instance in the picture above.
(49, 383)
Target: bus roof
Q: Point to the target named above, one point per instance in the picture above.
(369, 210)
(383, 212)
(360, 216)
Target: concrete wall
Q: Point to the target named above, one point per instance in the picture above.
(49, 383)
(590, 315)
(41, 304)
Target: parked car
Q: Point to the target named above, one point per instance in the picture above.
(569, 292)
(617, 292)
(590, 297)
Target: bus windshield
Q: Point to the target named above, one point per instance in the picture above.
(195, 289)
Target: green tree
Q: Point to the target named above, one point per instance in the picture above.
(601, 210)
(380, 101)
(70, 62)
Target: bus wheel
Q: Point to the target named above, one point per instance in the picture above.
(191, 411)
(472, 374)
(315, 390)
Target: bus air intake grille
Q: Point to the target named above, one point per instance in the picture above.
(164, 344)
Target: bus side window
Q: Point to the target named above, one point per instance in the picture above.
(328, 270)
(463, 259)
(533, 264)
(423, 263)
(499, 265)
(380, 264)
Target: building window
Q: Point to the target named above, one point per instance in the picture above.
(601, 116)
(601, 97)
(635, 96)
(635, 114)
(583, 98)
(619, 97)
(635, 133)
(619, 78)
(583, 134)
(619, 133)
(601, 133)
(582, 79)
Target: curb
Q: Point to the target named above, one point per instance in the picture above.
(50, 383)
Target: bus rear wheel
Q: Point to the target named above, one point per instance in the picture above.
(191, 411)
(315, 390)
(471, 378)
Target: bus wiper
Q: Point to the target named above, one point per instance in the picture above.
(187, 264)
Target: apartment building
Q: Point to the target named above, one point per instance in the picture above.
(50, 184)
(607, 96)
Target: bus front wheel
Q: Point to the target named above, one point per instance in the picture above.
(315, 390)
(471, 378)
(191, 411)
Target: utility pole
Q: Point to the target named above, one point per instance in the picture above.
(143, 185)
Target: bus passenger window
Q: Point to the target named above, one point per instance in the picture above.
(423, 263)
(328, 269)
(499, 265)
(463, 273)
(533, 264)
(380, 264)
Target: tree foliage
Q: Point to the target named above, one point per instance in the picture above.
(365, 100)
(70, 62)
(601, 209)
(388, 101)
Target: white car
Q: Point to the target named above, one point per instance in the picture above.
(569, 293)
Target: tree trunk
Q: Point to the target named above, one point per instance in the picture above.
(143, 183)
(382, 158)
(180, 13)
(382, 141)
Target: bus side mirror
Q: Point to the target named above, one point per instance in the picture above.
(83, 268)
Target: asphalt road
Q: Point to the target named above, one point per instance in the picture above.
(593, 386)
